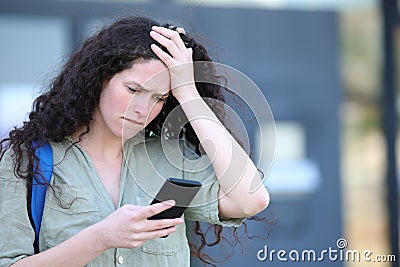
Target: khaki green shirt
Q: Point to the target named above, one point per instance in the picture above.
(85, 201)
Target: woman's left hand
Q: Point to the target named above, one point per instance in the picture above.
(179, 63)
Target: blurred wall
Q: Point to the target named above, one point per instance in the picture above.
(31, 50)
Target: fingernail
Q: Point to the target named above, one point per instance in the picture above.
(170, 202)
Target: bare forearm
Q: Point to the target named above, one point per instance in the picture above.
(79, 250)
(238, 176)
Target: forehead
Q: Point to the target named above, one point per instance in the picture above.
(150, 74)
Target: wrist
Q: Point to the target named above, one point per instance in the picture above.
(97, 237)
(185, 93)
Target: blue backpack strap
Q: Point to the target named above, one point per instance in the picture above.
(45, 155)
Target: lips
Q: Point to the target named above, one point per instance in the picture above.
(134, 121)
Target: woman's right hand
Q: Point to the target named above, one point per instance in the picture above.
(128, 227)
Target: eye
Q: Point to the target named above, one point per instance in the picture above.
(133, 89)
(160, 99)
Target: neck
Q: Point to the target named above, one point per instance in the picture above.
(100, 147)
(99, 142)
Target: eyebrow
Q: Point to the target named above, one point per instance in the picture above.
(146, 89)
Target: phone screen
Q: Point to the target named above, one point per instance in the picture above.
(180, 190)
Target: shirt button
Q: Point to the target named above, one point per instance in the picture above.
(120, 260)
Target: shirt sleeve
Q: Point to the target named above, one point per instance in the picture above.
(16, 232)
(204, 206)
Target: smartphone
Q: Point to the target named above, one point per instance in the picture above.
(180, 190)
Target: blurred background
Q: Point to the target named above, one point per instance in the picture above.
(328, 69)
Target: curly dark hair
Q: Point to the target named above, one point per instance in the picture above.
(74, 94)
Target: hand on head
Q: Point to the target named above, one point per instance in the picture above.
(179, 60)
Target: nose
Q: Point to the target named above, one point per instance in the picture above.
(141, 106)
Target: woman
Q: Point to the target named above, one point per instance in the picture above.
(103, 117)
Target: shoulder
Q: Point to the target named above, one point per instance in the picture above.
(7, 161)
(7, 166)
(66, 151)
(7, 158)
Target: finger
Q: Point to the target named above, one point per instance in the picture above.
(157, 208)
(162, 232)
(167, 59)
(167, 43)
(172, 35)
(144, 236)
(152, 225)
(180, 30)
